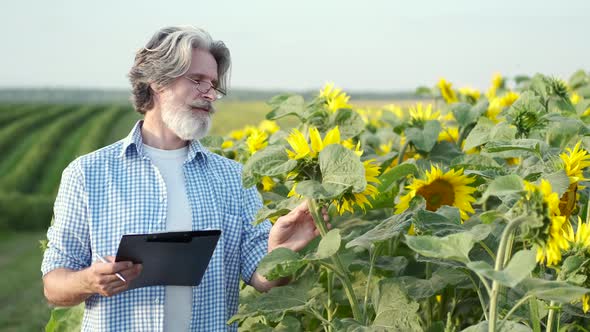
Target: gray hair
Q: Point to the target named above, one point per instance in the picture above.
(167, 56)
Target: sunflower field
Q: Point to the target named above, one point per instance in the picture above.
(466, 214)
(469, 213)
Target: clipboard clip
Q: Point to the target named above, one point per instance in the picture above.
(171, 237)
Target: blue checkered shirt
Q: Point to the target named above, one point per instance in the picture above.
(117, 190)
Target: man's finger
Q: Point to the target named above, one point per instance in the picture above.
(110, 268)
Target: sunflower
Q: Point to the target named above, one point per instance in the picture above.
(396, 110)
(552, 236)
(508, 98)
(267, 183)
(470, 92)
(451, 188)
(580, 245)
(574, 163)
(447, 92)
(268, 126)
(334, 97)
(300, 147)
(420, 114)
(450, 134)
(575, 98)
(497, 82)
(257, 141)
(348, 200)
(494, 109)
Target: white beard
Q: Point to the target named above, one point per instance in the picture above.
(184, 122)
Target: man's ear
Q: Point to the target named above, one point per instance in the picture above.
(156, 89)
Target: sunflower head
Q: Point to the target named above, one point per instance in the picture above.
(334, 98)
(419, 114)
(438, 189)
(548, 232)
(447, 91)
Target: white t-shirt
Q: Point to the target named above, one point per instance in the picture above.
(179, 299)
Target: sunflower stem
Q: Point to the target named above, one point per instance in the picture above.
(499, 266)
(339, 268)
(551, 316)
(402, 152)
(373, 252)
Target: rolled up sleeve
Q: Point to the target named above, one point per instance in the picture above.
(68, 238)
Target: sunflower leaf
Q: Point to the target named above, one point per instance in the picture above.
(396, 173)
(281, 262)
(519, 267)
(271, 161)
(341, 167)
(453, 247)
(349, 123)
(558, 291)
(479, 135)
(329, 245)
(424, 139)
(286, 104)
(502, 186)
(393, 310)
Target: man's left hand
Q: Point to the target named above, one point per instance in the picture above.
(294, 230)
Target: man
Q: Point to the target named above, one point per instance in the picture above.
(160, 178)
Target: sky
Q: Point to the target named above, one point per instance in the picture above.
(300, 45)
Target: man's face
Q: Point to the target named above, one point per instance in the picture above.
(186, 110)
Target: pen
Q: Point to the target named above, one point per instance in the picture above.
(105, 261)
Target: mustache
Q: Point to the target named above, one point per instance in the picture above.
(204, 104)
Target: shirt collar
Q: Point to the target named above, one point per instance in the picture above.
(133, 143)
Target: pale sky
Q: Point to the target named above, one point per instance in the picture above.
(299, 45)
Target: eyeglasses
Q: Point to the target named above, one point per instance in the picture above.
(204, 87)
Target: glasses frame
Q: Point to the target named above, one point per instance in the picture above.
(218, 92)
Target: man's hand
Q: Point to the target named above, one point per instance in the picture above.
(294, 230)
(101, 278)
(66, 287)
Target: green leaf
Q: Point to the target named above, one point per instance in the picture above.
(393, 311)
(502, 186)
(465, 114)
(349, 122)
(479, 135)
(558, 291)
(296, 297)
(277, 209)
(453, 247)
(65, 319)
(559, 182)
(507, 326)
(383, 231)
(418, 289)
(329, 244)
(519, 267)
(272, 161)
(424, 139)
(435, 223)
(316, 190)
(279, 263)
(396, 173)
(286, 104)
(342, 167)
(529, 145)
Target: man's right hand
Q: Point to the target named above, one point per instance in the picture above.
(101, 278)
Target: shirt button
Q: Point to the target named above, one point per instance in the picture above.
(157, 301)
(162, 199)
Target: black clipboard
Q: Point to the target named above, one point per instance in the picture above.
(172, 258)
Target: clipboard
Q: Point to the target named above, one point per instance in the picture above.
(171, 258)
